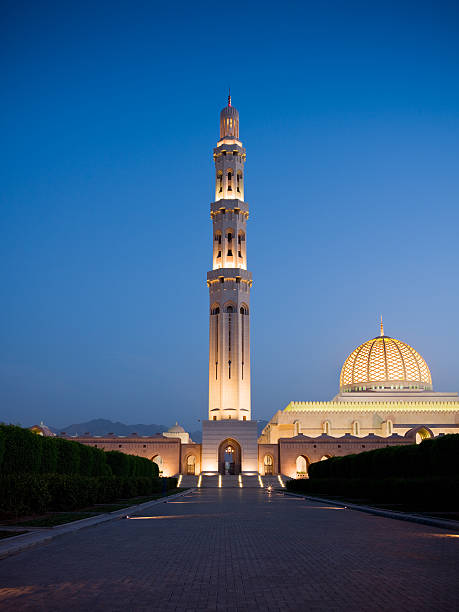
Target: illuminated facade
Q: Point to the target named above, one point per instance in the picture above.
(385, 395)
(385, 390)
(229, 281)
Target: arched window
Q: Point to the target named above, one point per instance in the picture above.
(244, 309)
(230, 179)
(302, 466)
(240, 244)
(355, 428)
(422, 434)
(159, 462)
(239, 181)
(215, 309)
(229, 309)
(219, 181)
(326, 427)
(229, 238)
(390, 427)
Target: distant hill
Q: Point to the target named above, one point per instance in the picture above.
(101, 427)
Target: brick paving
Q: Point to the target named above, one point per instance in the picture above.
(236, 549)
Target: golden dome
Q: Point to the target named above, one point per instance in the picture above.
(384, 363)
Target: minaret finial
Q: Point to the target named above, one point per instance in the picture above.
(382, 327)
(229, 96)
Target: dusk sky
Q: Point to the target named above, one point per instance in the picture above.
(349, 112)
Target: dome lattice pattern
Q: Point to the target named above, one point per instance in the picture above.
(385, 360)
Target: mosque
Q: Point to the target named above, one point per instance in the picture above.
(385, 388)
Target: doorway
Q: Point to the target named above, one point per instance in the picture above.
(229, 457)
(191, 465)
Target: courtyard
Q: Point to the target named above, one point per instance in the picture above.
(239, 549)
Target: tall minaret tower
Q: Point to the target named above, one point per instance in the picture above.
(229, 281)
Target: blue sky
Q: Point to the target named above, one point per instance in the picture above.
(349, 113)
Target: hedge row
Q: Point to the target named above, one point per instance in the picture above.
(440, 494)
(36, 493)
(22, 451)
(436, 457)
(131, 465)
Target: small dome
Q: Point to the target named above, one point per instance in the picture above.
(384, 363)
(176, 429)
(229, 121)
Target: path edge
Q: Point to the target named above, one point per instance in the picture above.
(412, 518)
(28, 540)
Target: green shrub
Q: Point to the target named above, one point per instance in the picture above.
(68, 461)
(49, 456)
(429, 493)
(172, 482)
(87, 457)
(24, 494)
(100, 466)
(435, 457)
(118, 462)
(69, 492)
(22, 450)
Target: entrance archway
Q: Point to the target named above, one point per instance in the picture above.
(191, 465)
(268, 464)
(302, 463)
(229, 457)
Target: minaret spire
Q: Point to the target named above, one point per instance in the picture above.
(229, 281)
(382, 327)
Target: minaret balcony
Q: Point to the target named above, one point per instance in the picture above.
(229, 206)
(229, 274)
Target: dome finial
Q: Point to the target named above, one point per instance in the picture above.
(229, 96)
(382, 327)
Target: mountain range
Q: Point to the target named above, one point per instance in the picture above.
(101, 427)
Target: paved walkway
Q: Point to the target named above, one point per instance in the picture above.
(239, 549)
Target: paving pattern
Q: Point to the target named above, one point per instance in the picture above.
(239, 549)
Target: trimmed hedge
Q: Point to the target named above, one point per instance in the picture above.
(22, 450)
(421, 493)
(434, 458)
(37, 493)
(131, 465)
(39, 474)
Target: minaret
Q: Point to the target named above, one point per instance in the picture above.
(229, 281)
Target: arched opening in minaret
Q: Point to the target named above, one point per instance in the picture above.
(219, 181)
(239, 181)
(229, 457)
(230, 174)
